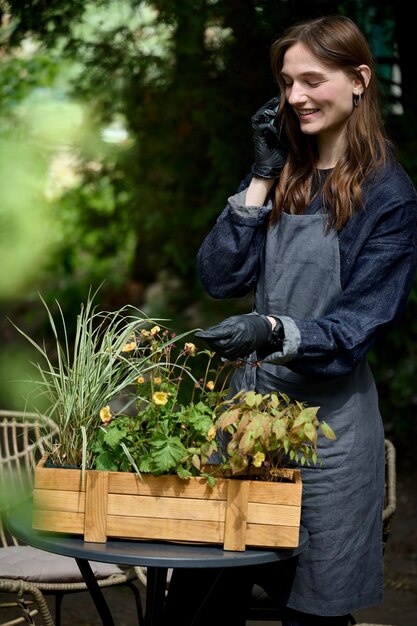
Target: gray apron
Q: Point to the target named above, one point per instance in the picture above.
(342, 569)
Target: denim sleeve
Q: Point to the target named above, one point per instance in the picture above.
(375, 295)
(228, 259)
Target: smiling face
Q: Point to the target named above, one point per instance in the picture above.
(320, 95)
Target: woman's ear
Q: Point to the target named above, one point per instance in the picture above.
(365, 71)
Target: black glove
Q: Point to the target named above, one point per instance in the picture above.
(240, 335)
(270, 147)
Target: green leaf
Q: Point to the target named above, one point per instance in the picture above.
(327, 431)
(146, 464)
(195, 460)
(227, 418)
(251, 398)
(114, 436)
(246, 442)
(183, 473)
(306, 415)
(211, 480)
(274, 400)
(310, 433)
(168, 452)
(286, 398)
(105, 462)
(278, 429)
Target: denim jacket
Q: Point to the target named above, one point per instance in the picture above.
(378, 263)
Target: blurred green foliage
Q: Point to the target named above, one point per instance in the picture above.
(155, 136)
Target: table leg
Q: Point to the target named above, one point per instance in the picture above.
(156, 580)
(95, 592)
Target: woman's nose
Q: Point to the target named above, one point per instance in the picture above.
(296, 94)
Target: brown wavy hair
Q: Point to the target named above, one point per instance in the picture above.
(335, 41)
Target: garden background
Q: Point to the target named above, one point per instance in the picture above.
(124, 126)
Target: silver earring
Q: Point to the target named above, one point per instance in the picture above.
(357, 97)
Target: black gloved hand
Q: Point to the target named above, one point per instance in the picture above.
(238, 336)
(270, 147)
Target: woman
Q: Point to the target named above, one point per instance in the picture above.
(323, 231)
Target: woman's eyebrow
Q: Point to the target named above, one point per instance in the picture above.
(310, 74)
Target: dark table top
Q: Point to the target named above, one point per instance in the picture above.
(145, 553)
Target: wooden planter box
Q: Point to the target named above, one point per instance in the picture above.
(235, 513)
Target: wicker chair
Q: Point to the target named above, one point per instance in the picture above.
(26, 572)
(29, 599)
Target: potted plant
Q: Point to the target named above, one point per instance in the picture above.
(269, 432)
(124, 389)
(140, 427)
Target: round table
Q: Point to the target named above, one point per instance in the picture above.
(157, 557)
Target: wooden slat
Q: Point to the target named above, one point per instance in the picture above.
(95, 521)
(200, 532)
(129, 483)
(52, 500)
(58, 521)
(273, 514)
(58, 478)
(275, 493)
(272, 536)
(171, 508)
(236, 515)
(165, 529)
(126, 504)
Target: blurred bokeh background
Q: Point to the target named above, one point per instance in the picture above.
(124, 126)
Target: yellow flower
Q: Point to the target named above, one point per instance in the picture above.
(157, 380)
(155, 330)
(210, 385)
(145, 333)
(140, 380)
(160, 397)
(105, 415)
(190, 349)
(128, 347)
(211, 433)
(258, 459)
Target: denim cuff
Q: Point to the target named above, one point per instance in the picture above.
(237, 204)
(292, 341)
